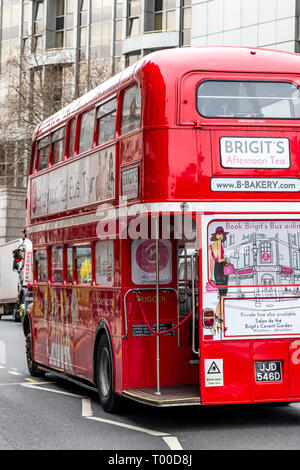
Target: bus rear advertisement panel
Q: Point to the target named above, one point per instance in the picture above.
(253, 276)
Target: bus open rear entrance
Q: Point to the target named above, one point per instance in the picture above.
(234, 290)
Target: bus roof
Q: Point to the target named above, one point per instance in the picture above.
(175, 63)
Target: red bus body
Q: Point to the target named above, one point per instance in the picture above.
(224, 173)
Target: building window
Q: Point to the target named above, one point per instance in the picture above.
(247, 256)
(186, 20)
(161, 15)
(295, 259)
(64, 23)
(265, 252)
(133, 18)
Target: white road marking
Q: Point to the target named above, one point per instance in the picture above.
(129, 426)
(13, 372)
(87, 412)
(86, 407)
(34, 387)
(172, 442)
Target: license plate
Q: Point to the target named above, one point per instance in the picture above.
(268, 371)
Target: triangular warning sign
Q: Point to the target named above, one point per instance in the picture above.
(213, 369)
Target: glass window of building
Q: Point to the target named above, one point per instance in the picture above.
(160, 15)
(133, 17)
(186, 20)
(26, 14)
(101, 28)
(64, 23)
(131, 112)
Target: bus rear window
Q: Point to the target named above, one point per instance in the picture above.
(248, 99)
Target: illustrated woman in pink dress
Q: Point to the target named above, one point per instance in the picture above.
(217, 263)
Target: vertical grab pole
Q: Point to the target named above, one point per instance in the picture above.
(157, 306)
(193, 302)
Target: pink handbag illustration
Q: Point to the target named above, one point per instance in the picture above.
(211, 286)
(228, 269)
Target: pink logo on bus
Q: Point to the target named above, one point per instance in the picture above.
(146, 256)
(265, 256)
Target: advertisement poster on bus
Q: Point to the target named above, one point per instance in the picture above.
(253, 278)
(83, 181)
(143, 261)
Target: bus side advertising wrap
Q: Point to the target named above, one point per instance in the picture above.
(253, 267)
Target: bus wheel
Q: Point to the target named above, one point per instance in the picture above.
(109, 400)
(33, 368)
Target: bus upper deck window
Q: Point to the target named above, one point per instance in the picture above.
(58, 145)
(106, 121)
(72, 132)
(86, 131)
(131, 113)
(43, 152)
(248, 99)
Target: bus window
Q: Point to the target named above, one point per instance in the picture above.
(86, 131)
(58, 145)
(106, 121)
(43, 152)
(83, 264)
(72, 131)
(131, 112)
(69, 264)
(57, 264)
(41, 265)
(251, 99)
(104, 256)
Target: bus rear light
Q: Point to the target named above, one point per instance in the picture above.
(208, 316)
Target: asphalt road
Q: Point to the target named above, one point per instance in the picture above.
(52, 414)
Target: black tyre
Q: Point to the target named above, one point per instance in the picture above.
(15, 314)
(109, 400)
(33, 368)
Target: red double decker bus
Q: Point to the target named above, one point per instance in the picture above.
(164, 213)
